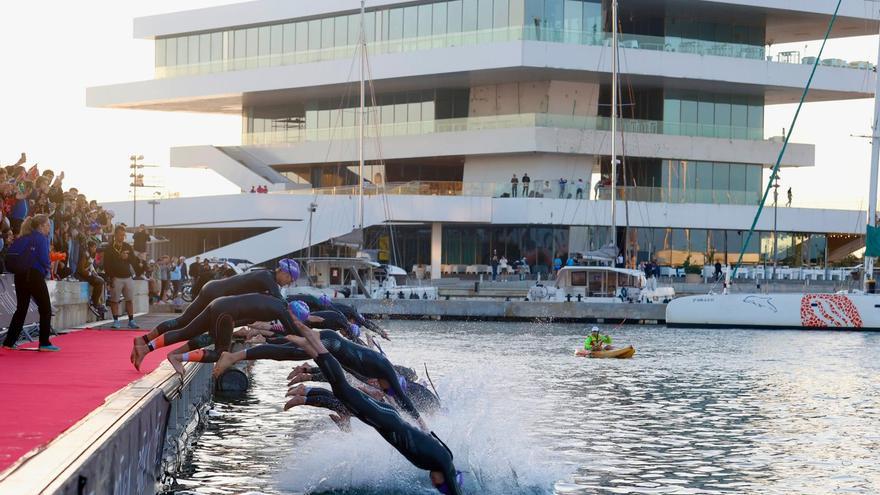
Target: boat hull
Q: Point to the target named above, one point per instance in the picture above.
(779, 311)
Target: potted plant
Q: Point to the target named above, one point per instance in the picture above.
(692, 273)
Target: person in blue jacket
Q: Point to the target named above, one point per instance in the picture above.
(30, 282)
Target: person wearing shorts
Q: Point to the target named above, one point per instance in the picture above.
(120, 265)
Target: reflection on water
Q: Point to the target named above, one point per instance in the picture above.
(696, 411)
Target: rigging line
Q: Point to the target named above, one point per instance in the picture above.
(785, 143)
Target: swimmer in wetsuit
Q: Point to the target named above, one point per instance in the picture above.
(260, 281)
(219, 319)
(357, 359)
(324, 303)
(425, 400)
(425, 451)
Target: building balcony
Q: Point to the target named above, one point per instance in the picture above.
(667, 44)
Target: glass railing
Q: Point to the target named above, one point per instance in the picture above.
(374, 130)
(507, 34)
(542, 188)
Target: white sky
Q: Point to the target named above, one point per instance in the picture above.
(53, 50)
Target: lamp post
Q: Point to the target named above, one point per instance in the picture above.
(312, 208)
(154, 202)
(137, 179)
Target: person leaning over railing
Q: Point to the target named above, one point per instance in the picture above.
(28, 257)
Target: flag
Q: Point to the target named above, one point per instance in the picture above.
(872, 241)
(33, 173)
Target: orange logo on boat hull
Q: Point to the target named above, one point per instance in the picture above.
(829, 311)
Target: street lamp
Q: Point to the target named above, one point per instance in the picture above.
(154, 202)
(312, 208)
(137, 180)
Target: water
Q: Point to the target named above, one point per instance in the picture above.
(696, 411)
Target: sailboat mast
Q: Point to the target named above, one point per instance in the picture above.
(614, 124)
(363, 52)
(872, 185)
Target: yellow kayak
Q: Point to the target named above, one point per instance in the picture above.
(623, 353)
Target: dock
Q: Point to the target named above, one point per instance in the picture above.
(83, 420)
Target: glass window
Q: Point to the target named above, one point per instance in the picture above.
(193, 56)
(534, 18)
(469, 15)
(302, 36)
(276, 42)
(425, 20)
(501, 17)
(739, 117)
(593, 22)
(484, 14)
(439, 24)
(516, 13)
(689, 119)
(182, 50)
(737, 177)
(382, 20)
(327, 33)
(314, 34)
(756, 120)
(160, 52)
(671, 116)
(554, 18)
(706, 117)
(395, 26)
(400, 113)
(722, 116)
(721, 182)
(253, 42)
(704, 176)
(265, 41)
(205, 48)
(453, 16)
(340, 28)
(216, 46)
(354, 29)
(370, 26)
(754, 178)
(428, 110)
(289, 38)
(574, 15)
(171, 51)
(410, 22)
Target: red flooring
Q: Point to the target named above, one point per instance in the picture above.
(44, 393)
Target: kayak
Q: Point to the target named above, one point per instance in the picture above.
(623, 353)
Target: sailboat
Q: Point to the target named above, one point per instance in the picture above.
(361, 275)
(604, 283)
(838, 311)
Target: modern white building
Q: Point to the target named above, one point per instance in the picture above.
(463, 94)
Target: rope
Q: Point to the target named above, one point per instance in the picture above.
(797, 112)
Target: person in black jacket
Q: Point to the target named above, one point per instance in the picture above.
(141, 237)
(31, 282)
(120, 265)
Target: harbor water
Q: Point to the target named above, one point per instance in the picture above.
(695, 411)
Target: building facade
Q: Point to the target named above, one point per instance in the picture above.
(464, 94)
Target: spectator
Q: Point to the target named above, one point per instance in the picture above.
(557, 264)
(7, 239)
(32, 253)
(164, 268)
(141, 238)
(253, 190)
(526, 182)
(183, 271)
(21, 209)
(789, 198)
(494, 262)
(175, 275)
(119, 265)
(87, 272)
(547, 191)
(562, 183)
(514, 184)
(718, 272)
(194, 268)
(579, 193)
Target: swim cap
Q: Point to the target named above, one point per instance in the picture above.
(300, 310)
(354, 329)
(444, 487)
(290, 266)
(324, 300)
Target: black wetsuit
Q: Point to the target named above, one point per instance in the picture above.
(334, 320)
(313, 302)
(357, 359)
(221, 316)
(256, 282)
(321, 397)
(355, 316)
(424, 451)
(423, 398)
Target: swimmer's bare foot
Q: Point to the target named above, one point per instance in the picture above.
(226, 360)
(177, 364)
(343, 422)
(296, 401)
(138, 353)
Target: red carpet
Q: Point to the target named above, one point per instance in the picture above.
(44, 393)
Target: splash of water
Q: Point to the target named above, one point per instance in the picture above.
(484, 424)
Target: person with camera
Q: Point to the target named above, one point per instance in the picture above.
(120, 264)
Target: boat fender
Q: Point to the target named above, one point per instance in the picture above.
(623, 293)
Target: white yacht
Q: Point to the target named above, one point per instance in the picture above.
(601, 284)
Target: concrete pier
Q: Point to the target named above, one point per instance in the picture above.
(512, 310)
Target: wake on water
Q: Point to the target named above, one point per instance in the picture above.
(484, 425)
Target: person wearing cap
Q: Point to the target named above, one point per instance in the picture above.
(596, 341)
(255, 282)
(218, 320)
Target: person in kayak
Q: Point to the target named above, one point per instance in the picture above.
(595, 342)
(423, 450)
(260, 282)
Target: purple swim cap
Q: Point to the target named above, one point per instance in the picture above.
(290, 266)
(300, 310)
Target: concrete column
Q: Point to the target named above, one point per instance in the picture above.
(436, 249)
